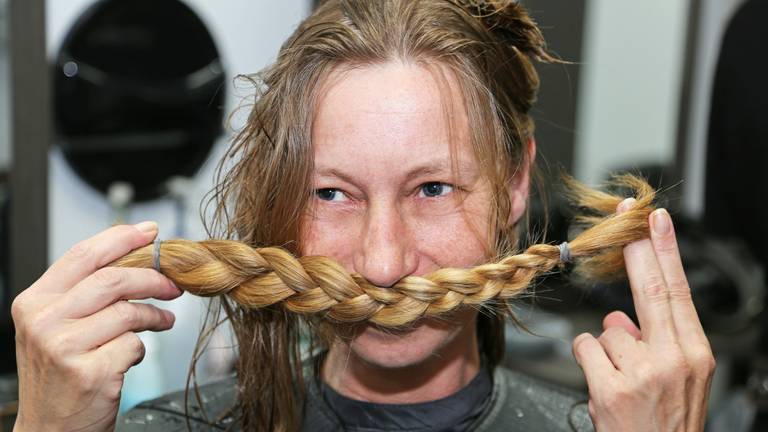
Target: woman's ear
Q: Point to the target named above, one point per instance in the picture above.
(520, 186)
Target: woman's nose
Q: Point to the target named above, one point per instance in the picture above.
(385, 256)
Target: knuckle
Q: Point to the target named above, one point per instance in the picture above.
(647, 373)
(82, 375)
(19, 309)
(157, 279)
(137, 348)
(655, 288)
(579, 344)
(109, 277)
(114, 390)
(126, 312)
(672, 369)
(80, 251)
(33, 329)
(680, 290)
(613, 333)
(679, 368)
(591, 408)
(703, 363)
(57, 346)
(618, 398)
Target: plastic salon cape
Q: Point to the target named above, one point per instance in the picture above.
(517, 403)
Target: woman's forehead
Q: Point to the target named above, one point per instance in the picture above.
(388, 113)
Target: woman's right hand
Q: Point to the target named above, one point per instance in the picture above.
(76, 333)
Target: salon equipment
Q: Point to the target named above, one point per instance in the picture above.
(735, 206)
(7, 332)
(138, 92)
(120, 196)
(178, 188)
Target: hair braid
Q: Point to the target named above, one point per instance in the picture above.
(262, 277)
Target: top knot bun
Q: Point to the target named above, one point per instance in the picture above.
(510, 22)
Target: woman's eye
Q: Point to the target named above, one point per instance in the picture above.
(435, 189)
(329, 194)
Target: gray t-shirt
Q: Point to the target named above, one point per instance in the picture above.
(516, 403)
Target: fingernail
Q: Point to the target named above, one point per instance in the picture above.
(626, 205)
(661, 222)
(173, 285)
(147, 226)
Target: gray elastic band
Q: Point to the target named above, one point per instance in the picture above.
(156, 254)
(565, 252)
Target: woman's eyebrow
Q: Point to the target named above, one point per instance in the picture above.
(465, 170)
(333, 172)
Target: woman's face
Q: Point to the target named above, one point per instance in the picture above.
(385, 198)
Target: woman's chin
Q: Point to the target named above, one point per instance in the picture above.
(403, 347)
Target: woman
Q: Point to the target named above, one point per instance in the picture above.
(394, 137)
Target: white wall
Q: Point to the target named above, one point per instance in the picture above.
(628, 108)
(248, 34)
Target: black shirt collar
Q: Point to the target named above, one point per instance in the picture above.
(453, 413)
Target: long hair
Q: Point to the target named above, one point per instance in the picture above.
(263, 182)
(271, 277)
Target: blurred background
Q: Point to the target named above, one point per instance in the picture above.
(114, 111)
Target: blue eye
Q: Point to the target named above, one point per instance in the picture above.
(329, 194)
(435, 189)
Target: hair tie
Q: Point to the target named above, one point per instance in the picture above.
(565, 253)
(156, 254)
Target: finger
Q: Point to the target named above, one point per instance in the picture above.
(122, 352)
(620, 319)
(91, 254)
(621, 347)
(684, 313)
(649, 290)
(107, 324)
(591, 357)
(692, 339)
(110, 284)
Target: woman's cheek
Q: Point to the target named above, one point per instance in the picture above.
(450, 241)
(446, 235)
(331, 235)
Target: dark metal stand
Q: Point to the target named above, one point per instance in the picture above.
(30, 138)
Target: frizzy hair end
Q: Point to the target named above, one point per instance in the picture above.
(270, 276)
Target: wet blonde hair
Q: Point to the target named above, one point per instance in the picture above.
(490, 47)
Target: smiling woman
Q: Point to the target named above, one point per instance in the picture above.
(405, 134)
(389, 153)
(397, 100)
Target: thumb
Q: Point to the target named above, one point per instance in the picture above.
(620, 319)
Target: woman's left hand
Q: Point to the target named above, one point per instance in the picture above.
(657, 377)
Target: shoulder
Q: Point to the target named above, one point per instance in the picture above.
(167, 413)
(518, 403)
(218, 398)
(521, 402)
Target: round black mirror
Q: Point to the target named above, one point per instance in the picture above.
(138, 94)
